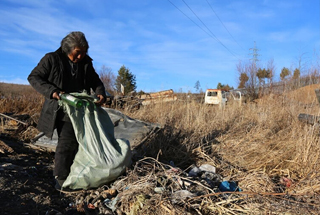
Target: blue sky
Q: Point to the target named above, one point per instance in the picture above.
(166, 44)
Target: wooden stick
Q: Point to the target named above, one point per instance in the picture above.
(9, 117)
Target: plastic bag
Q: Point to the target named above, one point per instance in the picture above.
(100, 158)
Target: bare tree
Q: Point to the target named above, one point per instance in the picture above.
(271, 68)
(302, 62)
(250, 70)
(108, 78)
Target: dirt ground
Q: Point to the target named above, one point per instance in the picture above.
(27, 185)
(26, 181)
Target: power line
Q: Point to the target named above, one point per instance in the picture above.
(201, 20)
(223, 24)
(209, 29)
(190, 19)
(212, 35)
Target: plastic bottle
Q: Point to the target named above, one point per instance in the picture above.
(71, 100)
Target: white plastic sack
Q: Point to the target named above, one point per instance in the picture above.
(101, 158)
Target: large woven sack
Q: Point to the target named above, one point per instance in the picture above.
(100, 158)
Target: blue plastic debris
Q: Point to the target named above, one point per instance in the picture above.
(229, 186)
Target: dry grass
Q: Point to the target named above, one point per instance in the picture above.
(257, 144)
(19, 99)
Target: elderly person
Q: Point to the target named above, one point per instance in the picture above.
(68, 69)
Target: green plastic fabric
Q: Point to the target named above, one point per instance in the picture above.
(101, 158)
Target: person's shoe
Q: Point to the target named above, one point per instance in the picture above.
(59, 184)
(61, 189)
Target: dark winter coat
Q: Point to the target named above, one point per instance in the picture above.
(52, 75)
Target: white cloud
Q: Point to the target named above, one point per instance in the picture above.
(14, 81)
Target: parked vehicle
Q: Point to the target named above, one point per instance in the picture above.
(221, 97)
(215, 97)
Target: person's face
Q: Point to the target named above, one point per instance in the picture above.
(77, 54)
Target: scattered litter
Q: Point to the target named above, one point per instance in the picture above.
(111, 204)
(287, 182)
(207, 168)
(194, 172)
(229, 186)
(157, 180)
(181, 195)
(159, 189)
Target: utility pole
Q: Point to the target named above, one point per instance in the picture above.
(253, 70)
(254, 54)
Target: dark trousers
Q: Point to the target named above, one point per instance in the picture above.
(66, 149)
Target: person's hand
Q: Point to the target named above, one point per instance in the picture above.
(101, 100)
(55, 95)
